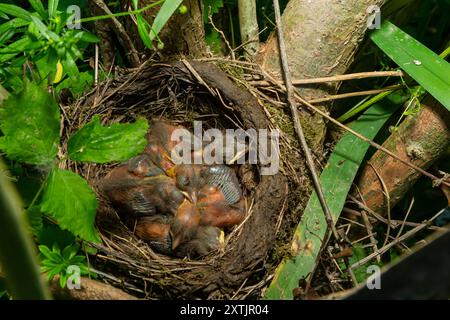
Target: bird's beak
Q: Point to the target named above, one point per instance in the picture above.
(175, 241)
(191, 199)
(222, 239)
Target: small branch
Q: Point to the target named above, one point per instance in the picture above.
(300, 134)
(388, 201)
(355, 94)
(358, 135)
(398, 240)
(369, 228)
(223, 36)
(343, 77)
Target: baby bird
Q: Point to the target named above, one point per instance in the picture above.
(215, 209)
(156, 231)
(136, 196)
(185, 224)
(160, 144)
(206, 240)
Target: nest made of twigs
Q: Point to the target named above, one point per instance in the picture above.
(182, 92)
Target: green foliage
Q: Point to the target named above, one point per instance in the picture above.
(71, 201)
(40, 39)
(336, 180)
(118, 142)
(164, 14)
(30, 124)
(35, 219)
(211, 7)
(149, 32)
(51, 234)
(423, 65)
(55, 262)
(358, 253)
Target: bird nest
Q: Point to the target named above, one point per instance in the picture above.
(182, 92)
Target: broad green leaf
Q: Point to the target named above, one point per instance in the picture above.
(164, 14)
(15, 11)
(423, 65)
(336, 180)
(39, 7)
(35, 219)
(52, 7)
(51, 234)
(71, 201)
(30, 122)
(118, 142)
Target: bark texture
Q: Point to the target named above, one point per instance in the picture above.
(322, 37)
(421, 139)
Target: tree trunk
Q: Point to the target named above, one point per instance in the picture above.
(420, 139)
(322, 37)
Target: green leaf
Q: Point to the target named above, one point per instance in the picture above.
(43, 29)
(77, 85)
(15, 11)
(336, 180)
(71, 201)
(52, 7)
(70, 251)
(143, 32)
(423, 65)
(30, 123)
(164, 14)
(14, 49)
(87, 37)
(39, 7)
(118, 142)
(51, 234)
(35, 219)
(13, 24)
(50, 255)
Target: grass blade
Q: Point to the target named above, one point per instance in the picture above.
(423, 65)
(15, 11)
(52, 7)
(164, 14)
(336, 180)
(39, 7)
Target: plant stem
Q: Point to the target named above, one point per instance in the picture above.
(120, 14)
(17, 254)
